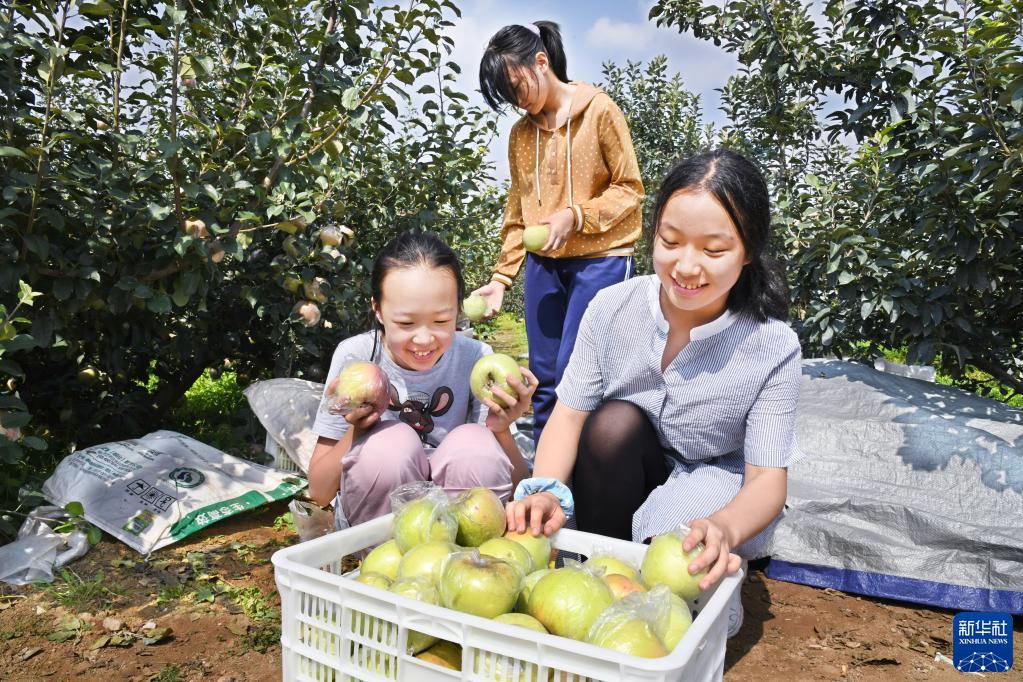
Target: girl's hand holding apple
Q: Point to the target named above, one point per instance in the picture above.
(501, 418)
(716, 557)
(536, 513)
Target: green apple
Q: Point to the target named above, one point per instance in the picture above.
(492, 371)
(474, 307)
(424, 591)
(535, 236)
(621, 630)
(359, 384)
(425, 560)
(538, 546)
(679, 620)
(374, 580)
(384, 559)
(612, 565)
(568, 600)
(666, 563)
(479, 584)
(423, 520)
(480, 516)
(522, 603)
(523, 620)
(511, 551)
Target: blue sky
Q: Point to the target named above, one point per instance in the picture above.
(593, 32)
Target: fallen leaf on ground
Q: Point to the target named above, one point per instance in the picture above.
(28, 652)
(156, 636)
(100, 642)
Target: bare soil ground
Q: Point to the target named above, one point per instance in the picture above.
(207, 609)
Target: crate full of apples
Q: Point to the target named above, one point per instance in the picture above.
(443, 592)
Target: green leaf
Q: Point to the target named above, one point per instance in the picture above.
(94, 535)
(12, 151)
(74, 508)
(158, 212)
(34, 443)
(350, 98)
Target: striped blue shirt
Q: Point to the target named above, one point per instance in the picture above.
(727, 399)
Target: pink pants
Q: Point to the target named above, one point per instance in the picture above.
(391, 455)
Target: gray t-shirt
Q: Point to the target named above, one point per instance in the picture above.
(432, 402)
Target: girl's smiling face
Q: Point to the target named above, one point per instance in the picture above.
(417, 311)
(698, 256)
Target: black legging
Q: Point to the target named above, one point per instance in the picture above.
(620, 462)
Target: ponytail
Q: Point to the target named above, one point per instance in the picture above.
(516, 46)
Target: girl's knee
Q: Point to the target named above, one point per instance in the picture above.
(468, 435)
(391, 449)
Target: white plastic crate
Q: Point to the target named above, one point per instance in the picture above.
(334, 629)
(282, 460)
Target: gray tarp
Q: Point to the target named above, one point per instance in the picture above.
(910, 490)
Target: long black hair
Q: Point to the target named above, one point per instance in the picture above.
(411, 249)
(516, 46)
(740, 188)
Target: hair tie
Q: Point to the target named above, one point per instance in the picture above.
(534, 28)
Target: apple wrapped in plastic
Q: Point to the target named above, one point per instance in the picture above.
(424, 591)
(535, 236)
(679, 619)
(359, 384)
(666, 563)
(424, 519)
(568, 600)
(622, 586)
(480, 516)
(425, 560)
(478, 584)
(378, 580)
(538, 546)
(522, 603)
(523, 620)
(510, 551)
(384, 559)
(444, 654)
(612, 565)
(474, 307)
(624, 628)
(492, 371)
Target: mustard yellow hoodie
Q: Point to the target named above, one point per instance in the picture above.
(587, 162)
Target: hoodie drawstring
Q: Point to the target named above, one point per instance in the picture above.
(568, 156)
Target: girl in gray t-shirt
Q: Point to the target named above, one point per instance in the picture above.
(433, 429)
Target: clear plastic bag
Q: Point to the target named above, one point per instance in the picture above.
(422, 512)
(39, 550)
(310, 520)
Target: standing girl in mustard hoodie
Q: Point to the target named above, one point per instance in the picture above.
(572, 168)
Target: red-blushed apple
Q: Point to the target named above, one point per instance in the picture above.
(422, 520)
(492, 371)
(611, 564)
(535, 236)
(621, 586)
(510, 551)
(625, 631)
(309, 312)
(424, 591)
(568, 600)
(383, 559)
(666, 563)
(480, 516)
(359, 384)
(538, 546)
(478, 584)
(444, 654)
(425, 560)
(522, 603)
(474, 307)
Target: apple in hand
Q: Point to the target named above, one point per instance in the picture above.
(492, 371)
(535, 236)
(666, 563)
(474, 307)
(359, 384)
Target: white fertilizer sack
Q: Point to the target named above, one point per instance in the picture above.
(153, 491)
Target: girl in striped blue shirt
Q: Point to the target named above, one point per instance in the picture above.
(678, 403)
